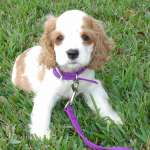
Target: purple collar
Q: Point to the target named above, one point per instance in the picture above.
(70, 76)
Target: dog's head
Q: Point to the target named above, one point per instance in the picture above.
(74, 40)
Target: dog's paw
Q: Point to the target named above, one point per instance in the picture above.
(39, 132)
(115, 117)
(118, 121)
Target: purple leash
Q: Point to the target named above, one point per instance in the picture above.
(69, 110)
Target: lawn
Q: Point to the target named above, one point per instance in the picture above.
(126, 76)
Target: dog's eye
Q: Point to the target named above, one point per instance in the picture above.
(85, 38)
(59, 38)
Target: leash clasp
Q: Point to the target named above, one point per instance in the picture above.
(74, 86)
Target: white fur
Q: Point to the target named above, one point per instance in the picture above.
(52, 89)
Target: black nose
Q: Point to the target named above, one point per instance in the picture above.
(73, 53)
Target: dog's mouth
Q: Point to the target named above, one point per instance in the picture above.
(73, 62)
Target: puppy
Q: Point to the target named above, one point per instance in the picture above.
(71, 41)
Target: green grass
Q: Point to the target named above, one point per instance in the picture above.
(126, 76)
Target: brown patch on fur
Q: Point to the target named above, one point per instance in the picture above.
(47, 55)
(89, 34)
(55, 35)
(102, 44)
(41, 73)
(20, 80)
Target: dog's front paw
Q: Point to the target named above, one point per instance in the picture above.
(115, 117)
(39, 132)
(118, 120)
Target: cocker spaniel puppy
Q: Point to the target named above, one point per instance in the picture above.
(71, 42)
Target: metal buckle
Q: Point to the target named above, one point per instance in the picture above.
(74, 86)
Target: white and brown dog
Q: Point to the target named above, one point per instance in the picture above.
(71, 41)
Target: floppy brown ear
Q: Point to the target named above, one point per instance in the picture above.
(47, 55)
(102, 46)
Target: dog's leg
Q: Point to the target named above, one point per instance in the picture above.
(44, 102)
(102, 101)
